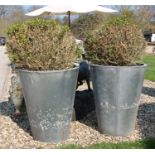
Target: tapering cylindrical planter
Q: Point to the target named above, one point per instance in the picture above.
(49, 97)
(117, 92)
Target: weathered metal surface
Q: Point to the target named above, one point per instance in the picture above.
(117, 91)
(49, 97)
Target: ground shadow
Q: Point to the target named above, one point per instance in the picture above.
(148, 91)
(8, 109)
(85, 108)
(146, 120)
(84, 103)
(85, 113)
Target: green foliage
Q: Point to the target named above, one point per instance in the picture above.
(118, 42)
(86, 23)
(39, 44)
(140, 144)
(70, 146)
(150, 71)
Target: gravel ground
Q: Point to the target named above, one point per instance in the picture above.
(15, 131)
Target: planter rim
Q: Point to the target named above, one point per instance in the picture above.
(136, 66)
(47, 71)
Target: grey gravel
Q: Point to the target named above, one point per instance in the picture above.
(15, 131)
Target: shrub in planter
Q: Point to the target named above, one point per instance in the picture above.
(41, 45)
(115, 51)
(44, 53)
(118, 42)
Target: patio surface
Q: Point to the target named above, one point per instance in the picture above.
(5, 72)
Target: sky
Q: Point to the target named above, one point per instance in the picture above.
(104, 2)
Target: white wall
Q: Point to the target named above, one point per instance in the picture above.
(153, 38)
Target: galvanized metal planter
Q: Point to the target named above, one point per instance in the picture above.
(49, 97)
(117, 91)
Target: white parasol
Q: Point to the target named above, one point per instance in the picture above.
(60, 7)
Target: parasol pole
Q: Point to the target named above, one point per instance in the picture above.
(69, 19)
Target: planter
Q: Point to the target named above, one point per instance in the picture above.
(49, 97)
(117, 91)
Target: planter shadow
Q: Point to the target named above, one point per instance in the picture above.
(146, 120)
(8, 109)
(22, 120)
(148, 91)
(84, 103)
(85, 108)
(85, 111)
